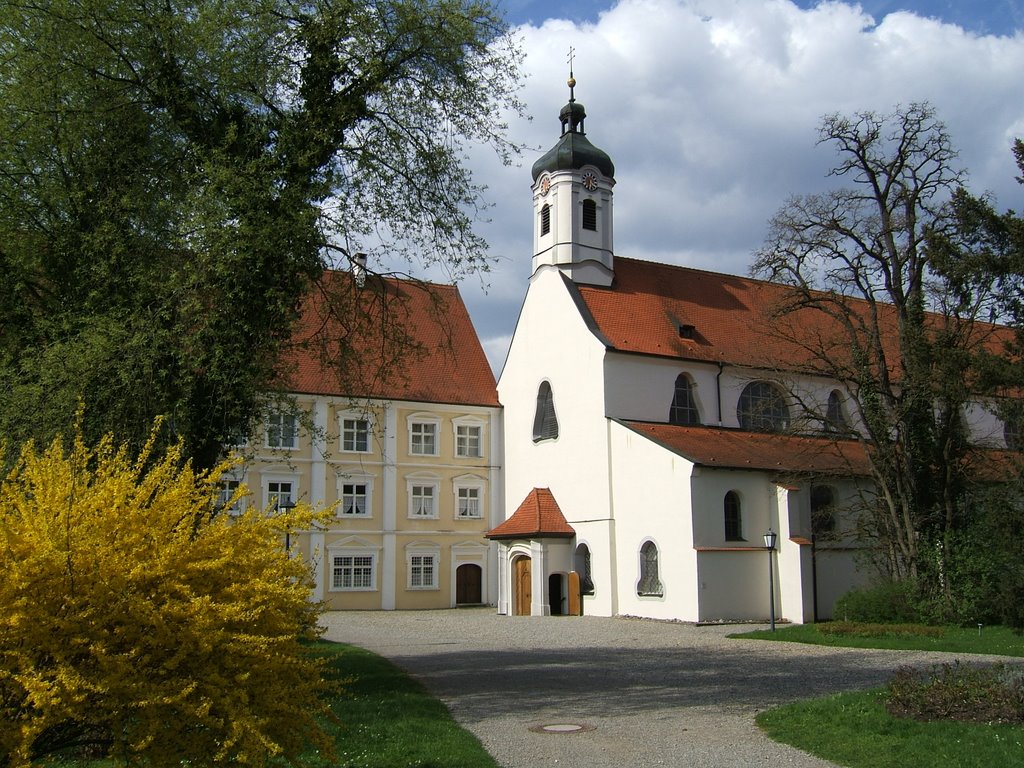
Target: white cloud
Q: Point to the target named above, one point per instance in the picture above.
(710, 111)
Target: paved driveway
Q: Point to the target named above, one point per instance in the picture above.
(648, 693)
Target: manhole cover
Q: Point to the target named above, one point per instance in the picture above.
(562, 728)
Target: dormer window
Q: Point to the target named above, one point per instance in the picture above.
(590, 215)
(687, 331)
(545, 219)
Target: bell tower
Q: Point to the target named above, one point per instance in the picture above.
(572, 202)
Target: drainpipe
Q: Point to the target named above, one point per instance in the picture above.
(718, 388)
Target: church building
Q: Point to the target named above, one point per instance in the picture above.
(652, 437)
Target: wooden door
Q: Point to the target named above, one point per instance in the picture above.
(523, 580)
(468, 584)
(575, 595)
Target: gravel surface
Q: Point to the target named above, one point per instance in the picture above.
(649, 693)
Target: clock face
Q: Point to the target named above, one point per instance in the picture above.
(590, 181)
(545, 185)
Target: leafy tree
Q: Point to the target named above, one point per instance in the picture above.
(137, 621)
(175, 176)
(897, 338)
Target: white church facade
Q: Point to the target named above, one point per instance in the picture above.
(649, 440)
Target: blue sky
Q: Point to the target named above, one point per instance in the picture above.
(710, 109)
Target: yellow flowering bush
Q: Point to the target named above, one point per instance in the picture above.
(138, 622)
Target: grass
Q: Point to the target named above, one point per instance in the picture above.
(992, 640)
(855, 730)
(388, 720)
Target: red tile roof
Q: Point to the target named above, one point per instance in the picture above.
(737, 449)
(644, 308)
(393, 339)
(538, 517)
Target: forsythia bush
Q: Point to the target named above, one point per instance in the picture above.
(137, 622)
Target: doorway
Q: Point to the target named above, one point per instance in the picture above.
(468, 584)
(522, 580)
(556, 594)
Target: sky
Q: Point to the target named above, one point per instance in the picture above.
(710, 111)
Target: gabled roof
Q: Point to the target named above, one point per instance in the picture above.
(736, 449)
(538, 517)
(393, 339)
(725, 315)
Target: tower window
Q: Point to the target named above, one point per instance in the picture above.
(545, 424)
(590, 215)
(545, 219)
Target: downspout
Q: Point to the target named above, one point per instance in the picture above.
(718, 388)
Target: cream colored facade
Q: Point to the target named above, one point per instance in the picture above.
(414, 485)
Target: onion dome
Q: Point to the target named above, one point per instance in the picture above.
(573, 150)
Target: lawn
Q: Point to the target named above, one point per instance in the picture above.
(388, 720)
(854, 730)
(991, 640)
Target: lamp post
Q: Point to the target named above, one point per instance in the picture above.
(284, 506)
(769, 544)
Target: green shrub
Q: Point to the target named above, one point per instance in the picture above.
(993, 694)
(888, 602)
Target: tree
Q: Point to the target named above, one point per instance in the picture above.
(137, 620)
(174, 177)
(897, 338)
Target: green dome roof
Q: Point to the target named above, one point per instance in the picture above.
(573, 150)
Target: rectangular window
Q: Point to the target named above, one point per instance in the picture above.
(423, 440)
(467, 441)
(423, 501)
(354, 499)
(352, 572)
(225, 492)
(469, 502)
(281, 430)
(355, 435)
(423, 572)
(279, 494)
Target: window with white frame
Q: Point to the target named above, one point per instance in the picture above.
(423, 437)
(423, 570)
(649, 584)
(226, 490)
(355, 434)
(467, 500)
(353, 571)
(280, 493)
(282, 430)
(469, 440)
(355, 497)
(423, 493)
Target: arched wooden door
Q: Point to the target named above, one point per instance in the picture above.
(468, 584)
(522, 580)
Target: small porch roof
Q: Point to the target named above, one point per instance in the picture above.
(538, 517)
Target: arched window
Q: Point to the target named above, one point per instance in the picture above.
(590, 215)
(650, 582)
(545, 424)
(684, 408)
(823, 517)
(545, 219)
(1013, 434)
(733, 517)
(835, 417)
(581, 564)
(762, 408)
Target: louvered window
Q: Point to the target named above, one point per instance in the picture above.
(545, 423)
(590, 215)
(545, 219)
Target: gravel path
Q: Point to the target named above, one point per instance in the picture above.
(649, 693)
